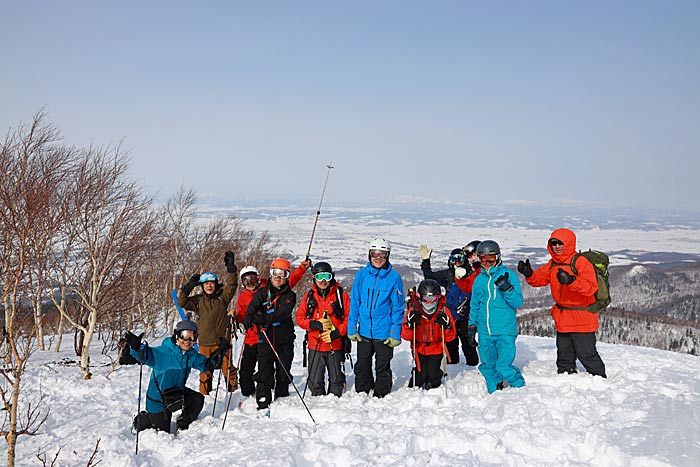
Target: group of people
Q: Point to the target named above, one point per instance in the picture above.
(476, 295)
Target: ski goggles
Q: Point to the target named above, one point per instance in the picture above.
(207, 277)
(488, 259)
(279, 273)
(556, 242)
(187, 336)
(378, 254)
(457, 258)
(429, 299)
(250, 279)
(323, 276)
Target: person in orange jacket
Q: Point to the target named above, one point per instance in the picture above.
(323, 312)
(251, 282)
(571, 292)
(428, 326)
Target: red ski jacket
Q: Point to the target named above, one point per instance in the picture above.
(428, 332)
(325, 306)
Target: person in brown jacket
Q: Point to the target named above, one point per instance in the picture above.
(211, 309)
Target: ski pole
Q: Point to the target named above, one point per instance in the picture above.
(414, 353)
(228, 404)
(138, 412)
(311, 365)
(218, 380)
(279, 360)
(444, 358)
(318, 211)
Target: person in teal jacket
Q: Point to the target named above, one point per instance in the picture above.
(374, 322)
(171, 363)
(495, 296)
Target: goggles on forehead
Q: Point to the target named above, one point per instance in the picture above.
(378, 254)
(556, 242)
(250, 279)
(488, 259)
(207, 277)
(323, 276)
(187, 336)
(457, 258)
(279, 273)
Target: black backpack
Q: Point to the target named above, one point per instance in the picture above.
(600, 262)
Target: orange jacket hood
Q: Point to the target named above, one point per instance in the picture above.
(569, 239)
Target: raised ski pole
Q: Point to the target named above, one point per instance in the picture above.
(279, 360)
(318, 211)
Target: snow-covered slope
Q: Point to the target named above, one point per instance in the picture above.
(647, 413)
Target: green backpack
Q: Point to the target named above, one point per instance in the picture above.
(600, 262)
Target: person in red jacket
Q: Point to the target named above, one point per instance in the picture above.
(571, 292)
(251, 282)
(323, 312)
(427, 326)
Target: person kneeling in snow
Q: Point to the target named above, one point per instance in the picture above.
(428, 326)
(171, 363)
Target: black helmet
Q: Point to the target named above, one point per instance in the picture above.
(471, 247)
(321, 266)
(456, 256)
(488, 247)
(429, 293)
(186, 325)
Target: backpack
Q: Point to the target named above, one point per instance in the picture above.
(600, 262)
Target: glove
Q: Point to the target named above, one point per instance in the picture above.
(326, 323)
(217, 356)
(424, 252)
(306, 264)
(524, 268)
(315, 325)
(133, 340)
(328, 336)
(460, 272)
(229, 262)
(564, 277)
(391, 342)
(442, 319)
(191, 284)
(504, 284)
(413, 318)
(471, 336)
(355, 337)
(259, 319)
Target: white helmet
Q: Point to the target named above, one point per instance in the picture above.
(380, 244)
(249, 270)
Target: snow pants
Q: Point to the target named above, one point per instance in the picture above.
(245, 373)
(430, 374)
(318, 363)
(497, 354)
(581, 345)
(453, 346)
(230, 372)
(382, 353)
(272, 374)
(191, 408)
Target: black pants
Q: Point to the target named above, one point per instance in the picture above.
(318, 363)
(430, 374)
(245, 373)
(453, 346)
(581, 346)
(364, 381)
(192, 407)
(271, 374)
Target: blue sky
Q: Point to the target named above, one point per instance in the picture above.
(538, 101)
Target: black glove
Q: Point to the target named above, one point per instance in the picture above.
(442, 319)
(315, 325)
(229, 262)
(471, 336)
(191, 284)
(504, 284)
(260, 320)
(524, 268)
(133, 340)
(217, 356)
(247, 321)
(413, 318)
(564, 277)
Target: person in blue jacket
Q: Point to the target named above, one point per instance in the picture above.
(171, 363)
(495, 296)
(374, 322)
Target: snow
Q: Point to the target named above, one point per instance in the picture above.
(647, 413)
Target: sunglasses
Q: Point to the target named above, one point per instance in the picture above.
(488, 259)
(279, 273)
(323, 276)
(457, 258)
(250, 279)
(378, 254)
(556, 242)
(191, 336)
